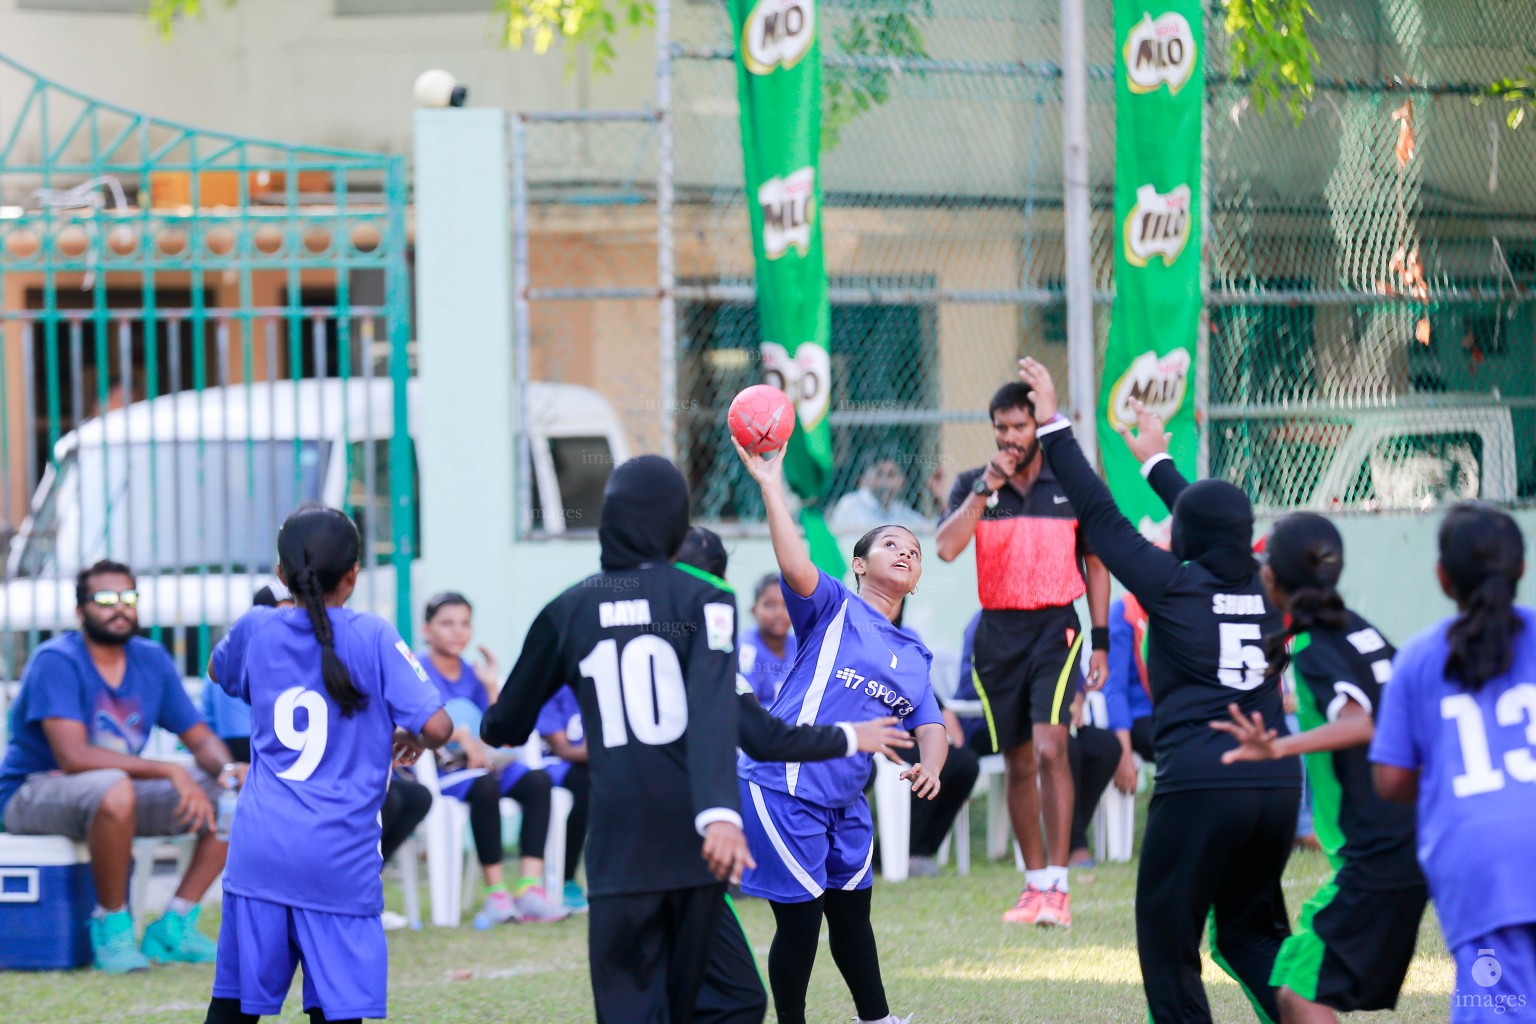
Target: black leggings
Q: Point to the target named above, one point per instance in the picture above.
(1094, 755)
(579, 781)
(405, 806)
(484, 798)
(227, 1011)
(852, 939)
(1214, 854)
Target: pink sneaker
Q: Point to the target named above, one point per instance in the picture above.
(1027, 910)
(1056, 908)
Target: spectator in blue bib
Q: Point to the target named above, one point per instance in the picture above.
(87, 705)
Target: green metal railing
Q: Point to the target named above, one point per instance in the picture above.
(199, 332)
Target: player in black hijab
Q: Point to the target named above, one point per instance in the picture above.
(1218, 836)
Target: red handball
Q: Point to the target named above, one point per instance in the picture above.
(762, 417)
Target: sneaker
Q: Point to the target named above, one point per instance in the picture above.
(112, 948)
(1056, 908)
(573, 899)
(922, 867)
(1027, 910)
(1082, 859)
(498, 908)
(393, 922)
(892, 1019)
(175, 938)
(535, 905)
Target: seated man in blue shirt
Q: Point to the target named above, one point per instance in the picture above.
(88, 702)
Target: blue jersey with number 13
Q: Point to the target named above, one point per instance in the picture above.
(307, 829)
(1476, 758)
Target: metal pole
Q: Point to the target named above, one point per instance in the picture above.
(521, 337)
(1203, 338)
(1079, 245)
(666, 271)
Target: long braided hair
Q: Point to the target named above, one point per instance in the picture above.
(1483, 555)
(1306, 556)
(316, 547)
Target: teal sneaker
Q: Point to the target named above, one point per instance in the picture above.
(574, 899)
(112, 948)
(175, 938)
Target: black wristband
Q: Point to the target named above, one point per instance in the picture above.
(1100, 635)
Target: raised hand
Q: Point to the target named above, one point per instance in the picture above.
(1042, 389)
(1151, 437)
(488, 669)
(767, 472)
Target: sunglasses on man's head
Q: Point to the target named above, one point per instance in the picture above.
(113, 598)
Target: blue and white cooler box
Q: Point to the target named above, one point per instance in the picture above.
(46, 900)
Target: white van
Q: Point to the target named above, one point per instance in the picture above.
(198, 482)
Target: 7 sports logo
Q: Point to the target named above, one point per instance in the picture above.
(899, 705)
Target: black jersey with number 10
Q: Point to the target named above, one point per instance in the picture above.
(650, 656)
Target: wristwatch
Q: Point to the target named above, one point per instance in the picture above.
(980, 486)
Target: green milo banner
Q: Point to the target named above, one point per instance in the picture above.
(1159, 95)
(778, 78)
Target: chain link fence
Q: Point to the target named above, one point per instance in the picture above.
(1371, 318)
(1372, 339)
(942, 221)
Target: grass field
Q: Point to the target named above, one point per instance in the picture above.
(946, 956)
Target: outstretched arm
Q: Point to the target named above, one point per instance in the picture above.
(766, 738)
(533, 680)
(1145, 569)
(1150, 446)
(788, 546)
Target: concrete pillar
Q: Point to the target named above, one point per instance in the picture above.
(467, 403)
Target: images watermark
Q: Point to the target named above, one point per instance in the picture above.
(1486, 972)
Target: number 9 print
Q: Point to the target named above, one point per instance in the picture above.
(310, 741)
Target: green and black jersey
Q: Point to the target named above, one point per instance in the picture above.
(1370, 839)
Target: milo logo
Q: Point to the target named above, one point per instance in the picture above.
(786, 207)
(1160, 52)
(1157, 383)
(777, 34)
(1158, 225)
(805, 377)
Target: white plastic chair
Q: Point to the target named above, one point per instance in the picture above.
(408, 859)
(450, 871)
(146, 852)
(893, 797)
(1114, 820)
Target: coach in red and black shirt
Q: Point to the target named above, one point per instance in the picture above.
(1031, 564)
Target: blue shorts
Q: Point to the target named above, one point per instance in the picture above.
(801, 849)
(346, 962)
(557, 771)
(457, 783)
(1496, 977)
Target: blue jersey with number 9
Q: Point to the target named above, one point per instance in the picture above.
(1475, 753)
(308, 830)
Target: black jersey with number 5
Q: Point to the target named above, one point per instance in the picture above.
(1207, 618)
(650, 651)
